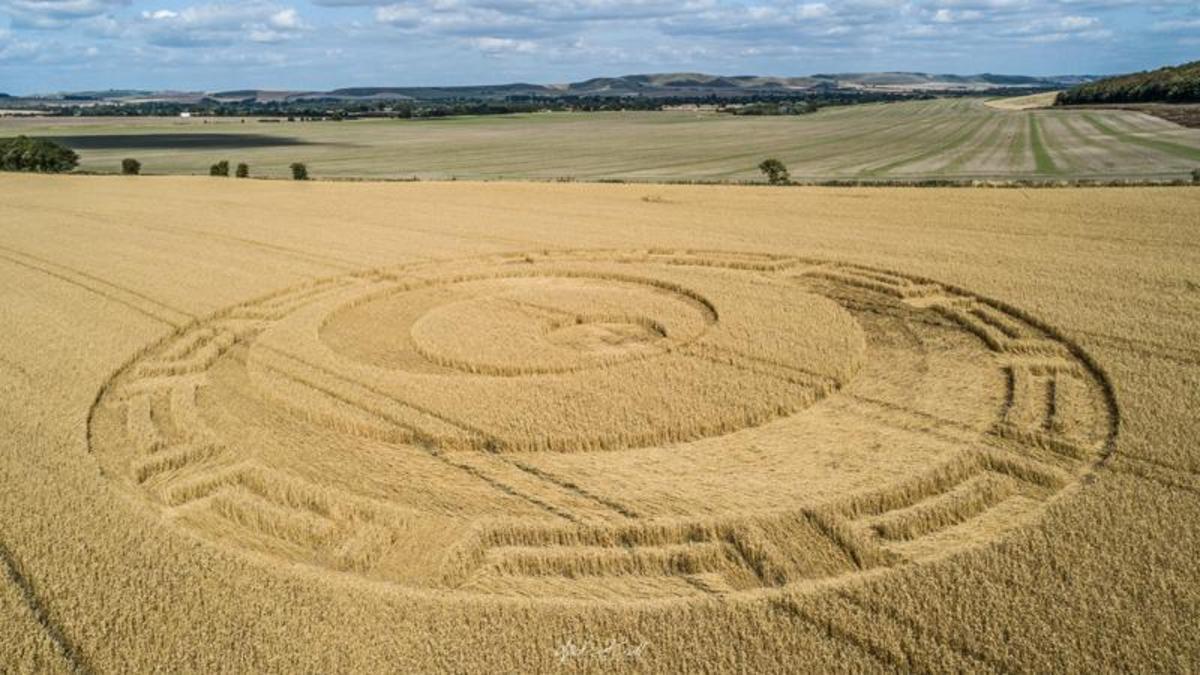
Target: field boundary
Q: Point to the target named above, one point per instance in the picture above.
(981, 182)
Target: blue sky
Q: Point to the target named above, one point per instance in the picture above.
(56, 45)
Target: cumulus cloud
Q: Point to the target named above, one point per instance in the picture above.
(1059, 29)
(447, 17)
(520, 19)
(218, 24)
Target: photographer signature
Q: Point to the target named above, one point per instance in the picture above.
(612, 650)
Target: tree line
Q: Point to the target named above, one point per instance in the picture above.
(35, 154)
(1173, 84)
(333, 109)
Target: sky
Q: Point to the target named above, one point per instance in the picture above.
(72, 45)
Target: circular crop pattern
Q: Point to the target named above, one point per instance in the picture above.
(607, 425)
(540, 325)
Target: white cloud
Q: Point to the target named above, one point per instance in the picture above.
(46, 14)
(454, 18)
(1058, 29)
(1075, 23)
(494, 45)
(286, 19)
(218, 24)
(399, 15)
(957, 16)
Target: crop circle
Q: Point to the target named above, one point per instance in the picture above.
(603, 425)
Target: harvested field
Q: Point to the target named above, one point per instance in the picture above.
(481, 427)
(1183, 114)
(947, 139)
(175, 141)
(1030, 102)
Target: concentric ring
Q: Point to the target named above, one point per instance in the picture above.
(602, 425)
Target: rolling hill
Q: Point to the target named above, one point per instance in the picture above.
(1172, 84)
(655, 85)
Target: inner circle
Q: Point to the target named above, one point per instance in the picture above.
(589, 358)
(541, 325)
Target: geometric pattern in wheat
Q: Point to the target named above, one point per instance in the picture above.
(607, 425)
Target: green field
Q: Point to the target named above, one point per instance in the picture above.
(959, 139)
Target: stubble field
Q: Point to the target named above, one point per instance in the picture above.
(946, 139)
(484, 427)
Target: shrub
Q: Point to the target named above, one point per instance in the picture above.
(299, 171)
(1196, 176)
(221, 168)
(35, 154)
(130, 167)
(243, 170)
(775, 171)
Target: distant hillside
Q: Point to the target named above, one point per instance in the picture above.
(666, 85)
(687, 81)
(1173, 84)
(652, 85)
(934, 81)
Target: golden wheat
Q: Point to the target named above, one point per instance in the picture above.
(288, 428)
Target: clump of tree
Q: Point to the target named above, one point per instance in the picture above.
(775, 171)
(299, 171)
(243, 170)
(1196, 176)
(1173, 84)
(221, 168)
(776, 108)
(130, 167)
(36, 154)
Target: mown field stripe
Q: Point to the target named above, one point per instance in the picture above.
(1041, 156)
(1154, 143)
(1017, 149)
(992, 158)
(992, 134)
(1082, 140)
(962, 134)
(1063, 144)
(863, 143)
(1129, 157)
(916, 123)
(900, 143)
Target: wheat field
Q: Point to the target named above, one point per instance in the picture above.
(943, 139)
(504, 427)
